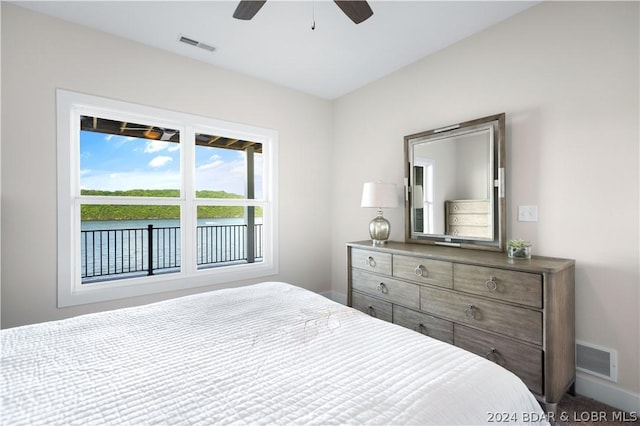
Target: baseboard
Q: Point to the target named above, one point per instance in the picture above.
(336, 297)
(610, 395)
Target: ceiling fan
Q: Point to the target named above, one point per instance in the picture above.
(154, 132)
(357, 10)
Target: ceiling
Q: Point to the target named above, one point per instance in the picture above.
(278, 45)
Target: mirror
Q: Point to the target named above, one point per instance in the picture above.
(454, 185)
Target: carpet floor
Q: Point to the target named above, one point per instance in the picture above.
(580, 410)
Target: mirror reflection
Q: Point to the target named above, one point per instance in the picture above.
(459, 205)
(454, 184)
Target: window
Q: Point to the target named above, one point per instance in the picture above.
(151, 200)
(423, 201)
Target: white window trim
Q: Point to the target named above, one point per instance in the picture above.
(70, 290)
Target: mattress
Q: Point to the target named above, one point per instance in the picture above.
(270, 353)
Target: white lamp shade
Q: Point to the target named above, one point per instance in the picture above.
(379, 195)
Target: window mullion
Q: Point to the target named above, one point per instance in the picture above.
(189, 217)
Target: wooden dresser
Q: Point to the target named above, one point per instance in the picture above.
(518, 313)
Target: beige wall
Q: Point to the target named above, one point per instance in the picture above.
(40, 54)
(566, 74)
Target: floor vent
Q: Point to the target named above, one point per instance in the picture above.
(197, 43)
(596, 360)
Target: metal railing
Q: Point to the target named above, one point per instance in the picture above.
(119, 253)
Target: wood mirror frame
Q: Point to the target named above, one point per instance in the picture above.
(447, 201)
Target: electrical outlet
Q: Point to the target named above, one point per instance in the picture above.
(528, 213)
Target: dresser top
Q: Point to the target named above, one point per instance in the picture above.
(469, 256)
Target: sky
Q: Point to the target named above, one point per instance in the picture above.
(113, 162)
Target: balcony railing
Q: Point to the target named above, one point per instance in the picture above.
(121, 253)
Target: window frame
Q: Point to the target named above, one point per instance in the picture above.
(71, 292)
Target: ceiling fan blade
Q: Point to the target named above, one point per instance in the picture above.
(248, 8)
(357, 10)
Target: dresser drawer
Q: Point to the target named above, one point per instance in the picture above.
(426, 324)
(386, 288)
(370, 305)
(467, 206)
(371, 260)
(469, 231)
(423, 270)
(511, 286)
(523, 360)
(521, 323)
(468, 219)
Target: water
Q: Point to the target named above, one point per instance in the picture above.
(112, 248)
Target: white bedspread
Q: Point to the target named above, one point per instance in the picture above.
(264, 354)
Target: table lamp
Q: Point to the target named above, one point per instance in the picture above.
(379, 195)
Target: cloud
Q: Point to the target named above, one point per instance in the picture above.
(211, 165)
(229, 176)
(119, 140)
(223, 171)
(132, 180)
(223, 176)
(160, 161)
(155, 146)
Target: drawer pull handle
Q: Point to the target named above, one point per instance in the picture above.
(470, 312)
(372, 311)
(491, 284)
(455, 219)
(492, 355)
(421, 271)
(370, 261)
(382, 288)
(420, 328)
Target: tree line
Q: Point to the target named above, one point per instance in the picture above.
(95, 212)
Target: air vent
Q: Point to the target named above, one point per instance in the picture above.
(196, 43)
(596, 360)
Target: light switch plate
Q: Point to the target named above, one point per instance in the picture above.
(528, 213)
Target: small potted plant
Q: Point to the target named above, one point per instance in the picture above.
(519, 249)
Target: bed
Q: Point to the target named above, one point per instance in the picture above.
(270, 353)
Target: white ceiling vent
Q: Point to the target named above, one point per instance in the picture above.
(197, 43)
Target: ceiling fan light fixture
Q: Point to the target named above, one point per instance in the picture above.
(167, 134)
